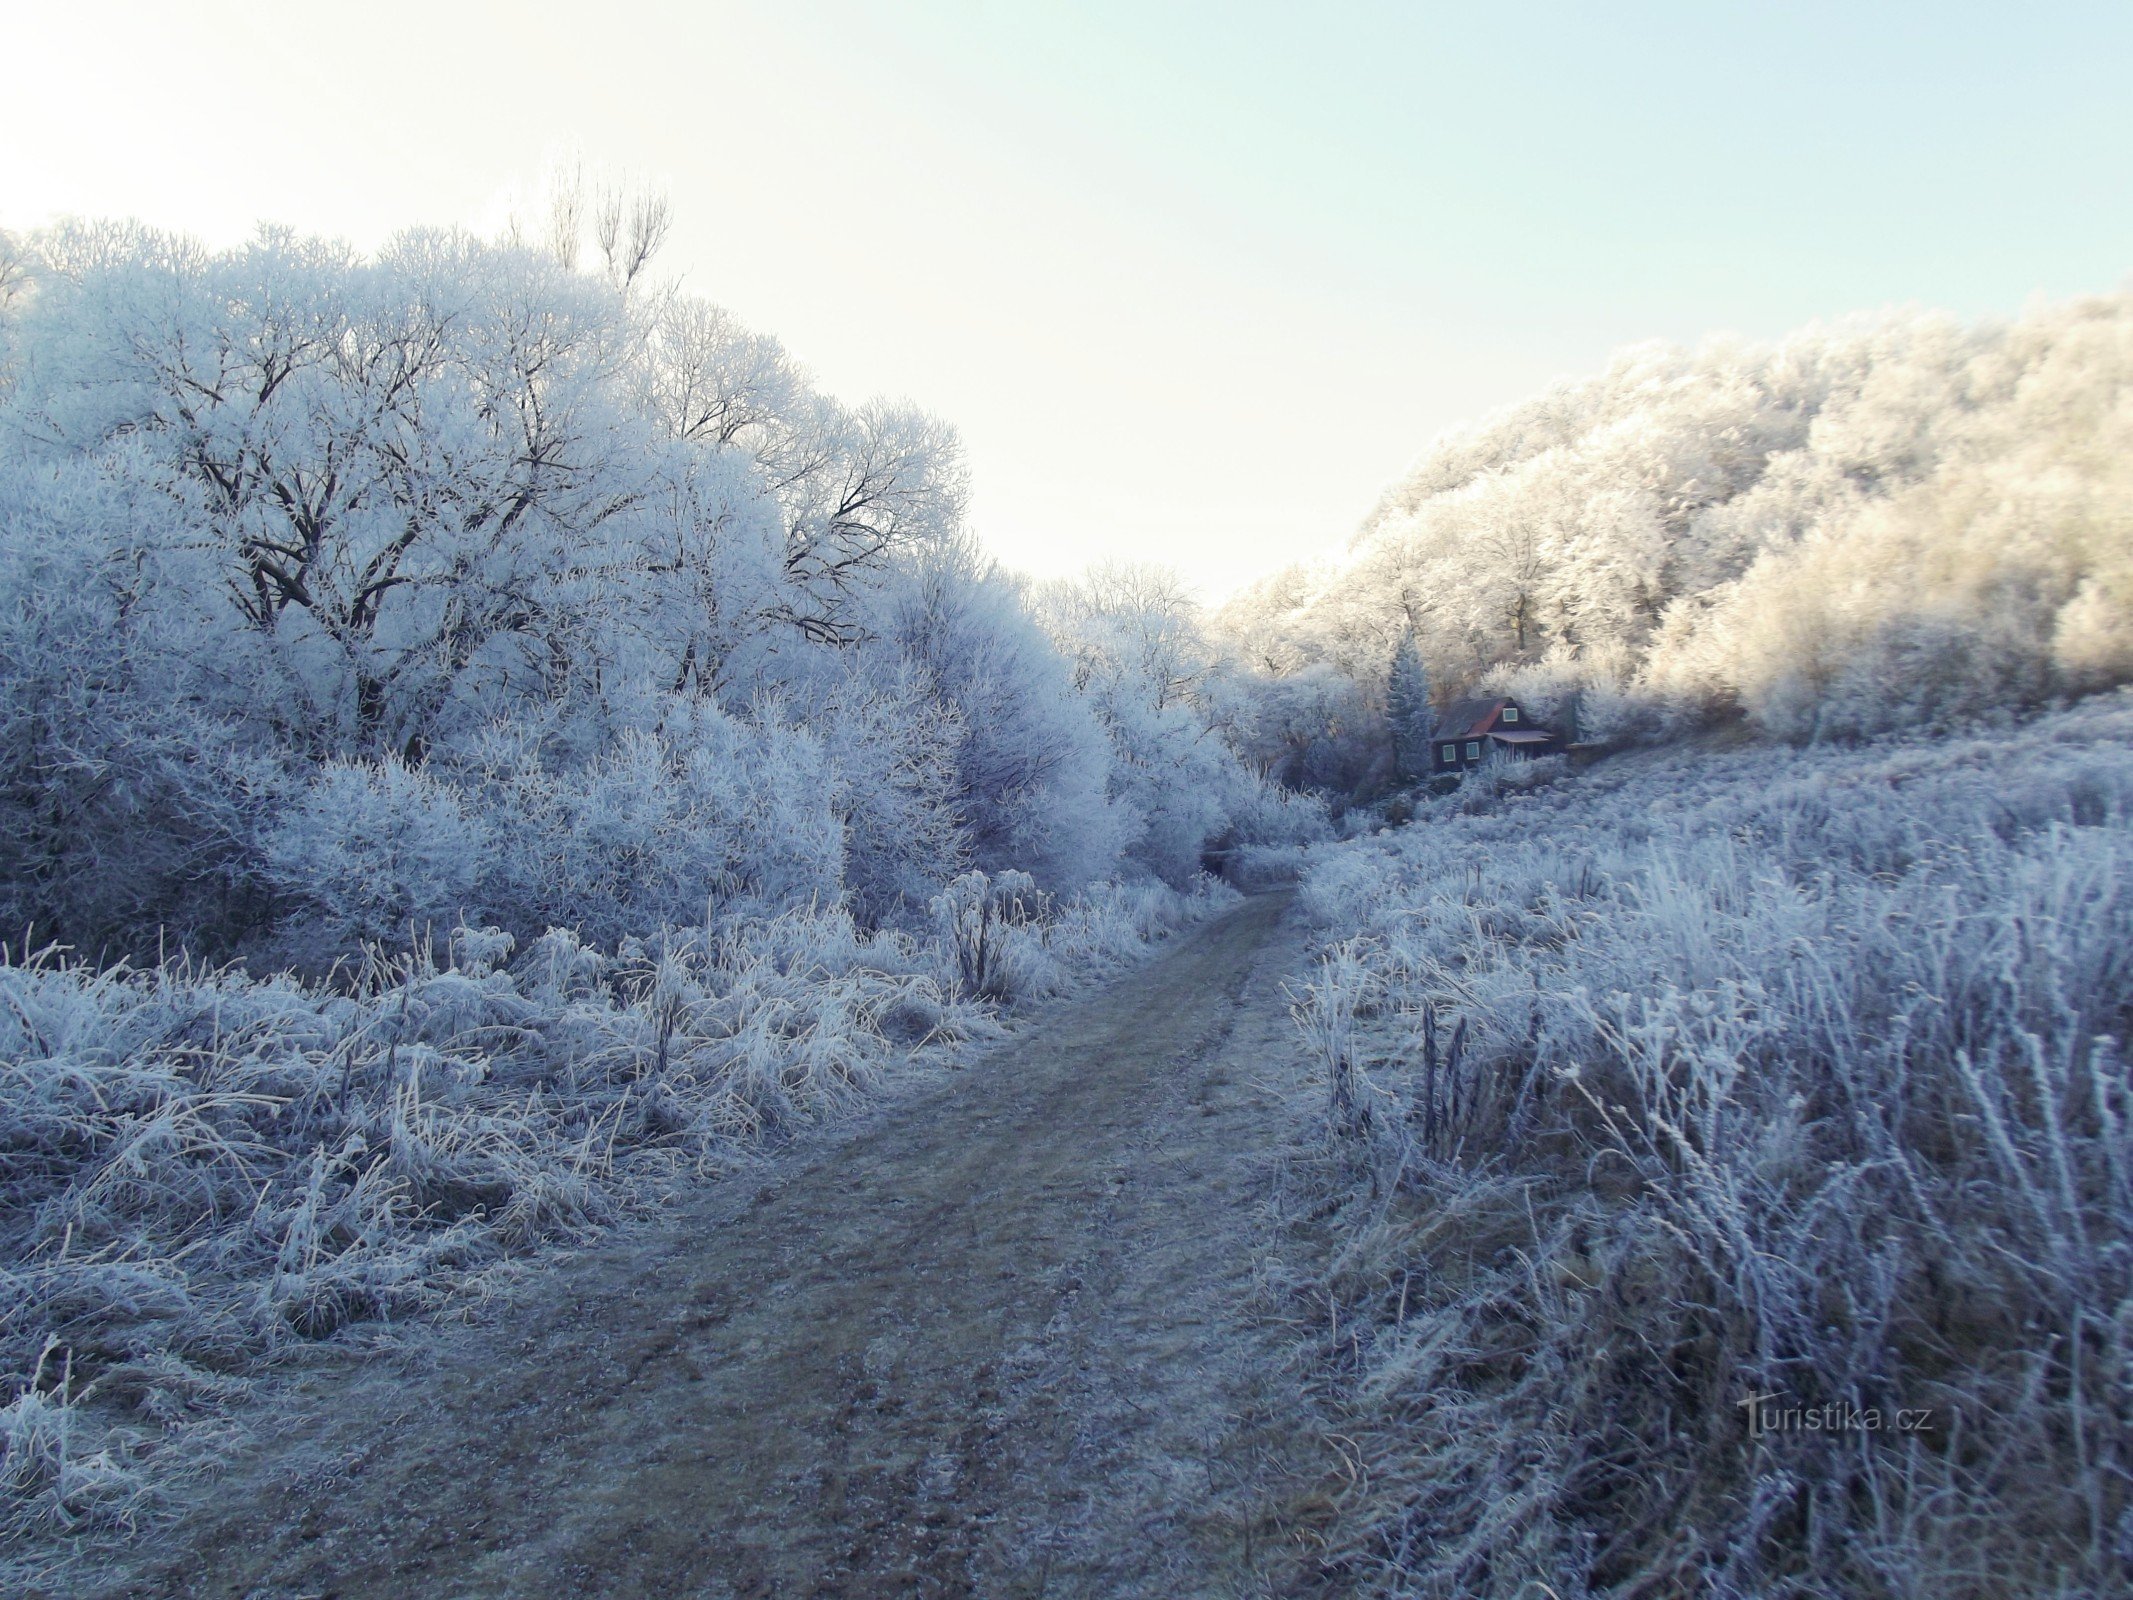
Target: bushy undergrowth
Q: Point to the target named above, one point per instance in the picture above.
(200, 1169)
(1794, 1078)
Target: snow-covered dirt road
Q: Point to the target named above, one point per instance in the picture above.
(1003, 1335)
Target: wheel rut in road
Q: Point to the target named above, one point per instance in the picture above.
(1003, 1334)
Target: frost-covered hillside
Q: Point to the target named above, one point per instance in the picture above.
(1898, 522)
(1678, 1102)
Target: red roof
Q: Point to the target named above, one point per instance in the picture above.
(1471, 719)
(1467, 719)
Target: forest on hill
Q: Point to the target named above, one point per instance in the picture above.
(1895, 522)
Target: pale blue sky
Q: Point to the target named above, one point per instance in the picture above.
(1195, 280)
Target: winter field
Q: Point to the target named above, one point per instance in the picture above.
(488, 746)
(1726, 1075)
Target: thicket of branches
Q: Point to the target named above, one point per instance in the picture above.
(1697, 1079)
(343, 594)
(1900, 522)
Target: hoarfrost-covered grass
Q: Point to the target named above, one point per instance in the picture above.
(201, 1170)
(1713, 1087)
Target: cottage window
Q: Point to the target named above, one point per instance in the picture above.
(1451, 752)
(1473, 750)
(1510, 714)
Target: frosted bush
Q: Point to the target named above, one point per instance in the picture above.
(1500, 775)
(1258, 867)
(478, 952)
(982, 920)
(48, 1478)
(1006, 940)
(1115, 922)
(374, 850)
(1270, 836)
(706, 815)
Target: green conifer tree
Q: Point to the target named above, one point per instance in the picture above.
(1407, 709)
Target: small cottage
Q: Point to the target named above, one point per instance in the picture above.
(1470, 729)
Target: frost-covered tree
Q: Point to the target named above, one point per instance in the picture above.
(1142, 659)
(304, 554)
(1310, 729)
(1033, 767)
(377, 851)
(1408, 714)
(122, 801)
(894, 745)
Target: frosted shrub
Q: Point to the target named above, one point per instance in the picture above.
(705, 815)
(1006, 940)
(1259, 866)
(1327, 1012)
(1141, 657)
(47, 1477)
(985, 921)
(1271, 831)
(373, 849)
(1274, 818)
(1111, 924)
(560, 967)
(1706, 1078)
(1499, 775)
